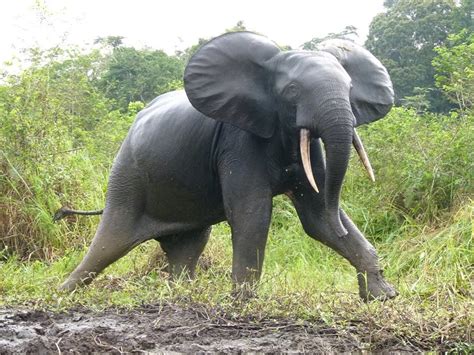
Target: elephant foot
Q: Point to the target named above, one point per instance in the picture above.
(73, 282)
(67, 286)
(372, 286)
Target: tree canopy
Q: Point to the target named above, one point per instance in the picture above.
(454, 67)
(347, 33)
(139, 75)
(404, 38)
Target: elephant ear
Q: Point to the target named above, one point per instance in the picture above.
(228, 79)
(372, 92)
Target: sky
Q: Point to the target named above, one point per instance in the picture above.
(173, 25)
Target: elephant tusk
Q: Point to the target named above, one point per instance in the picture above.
(305, 157)
(359, 147)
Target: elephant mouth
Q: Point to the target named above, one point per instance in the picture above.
(305, 145)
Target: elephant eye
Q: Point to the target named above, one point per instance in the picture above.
(292, 92)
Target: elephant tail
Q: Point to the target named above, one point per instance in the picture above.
(64, 212)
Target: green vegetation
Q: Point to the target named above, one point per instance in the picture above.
(455, 68)
(139, 75)
(62, 120)
(404, 38)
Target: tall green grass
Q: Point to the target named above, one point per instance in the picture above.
(58, 137)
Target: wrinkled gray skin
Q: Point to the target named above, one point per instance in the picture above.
(221, 149)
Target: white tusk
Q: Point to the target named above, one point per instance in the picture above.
(359, 147)
(305, 157)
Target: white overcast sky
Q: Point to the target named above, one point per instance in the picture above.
(174, 24)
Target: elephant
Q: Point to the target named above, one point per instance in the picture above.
(252, 122)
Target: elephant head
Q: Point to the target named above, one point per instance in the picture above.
(245, 80)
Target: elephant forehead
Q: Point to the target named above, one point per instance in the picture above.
(302, 61)
(308, 69)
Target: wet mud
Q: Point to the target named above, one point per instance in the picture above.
(172, 329)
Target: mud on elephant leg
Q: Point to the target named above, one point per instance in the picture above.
(183, 251)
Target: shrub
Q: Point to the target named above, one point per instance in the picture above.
(423, 165)
(57, 141)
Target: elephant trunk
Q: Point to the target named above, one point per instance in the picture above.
(329, 116)
(337, 139)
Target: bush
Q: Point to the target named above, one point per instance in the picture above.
(423, 167)
(57, 141)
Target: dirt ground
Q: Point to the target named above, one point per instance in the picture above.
(172, 329)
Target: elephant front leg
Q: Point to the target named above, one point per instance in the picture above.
(354, 247)
(363, 256)
(249, 236)
(248, 206)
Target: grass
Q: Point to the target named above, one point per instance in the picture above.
(431, 268)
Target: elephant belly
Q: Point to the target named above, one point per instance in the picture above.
(173, 202)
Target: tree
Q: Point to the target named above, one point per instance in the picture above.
(112, 41)
(186, 54)
(239, 26)
(454, 67)
(139, 75)
(346, 33)
(418, 101)
(389, 3)
(404, 37)
(463, 16)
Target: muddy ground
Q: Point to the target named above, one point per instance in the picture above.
(171, 328)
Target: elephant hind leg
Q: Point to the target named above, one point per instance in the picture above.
(114, 238)
(183, 250)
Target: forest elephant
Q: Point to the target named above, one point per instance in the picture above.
(250, 124)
